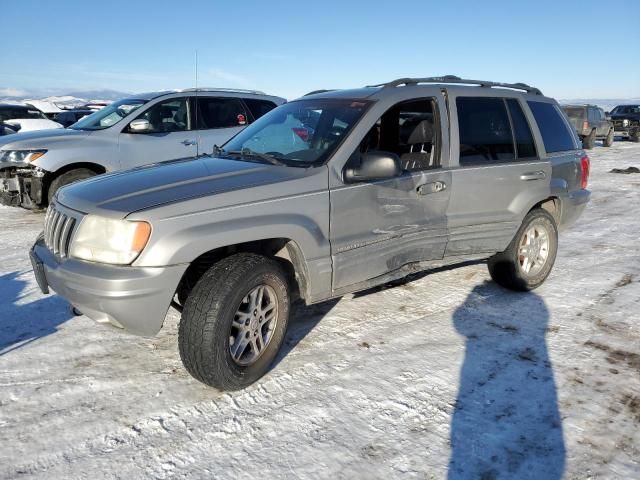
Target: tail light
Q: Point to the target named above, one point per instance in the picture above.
(584, 171)
(585, 126)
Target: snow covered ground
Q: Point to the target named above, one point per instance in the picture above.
(444, 375)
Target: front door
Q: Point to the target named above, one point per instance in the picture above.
(378, 227)
(170, 136)
(499, 175)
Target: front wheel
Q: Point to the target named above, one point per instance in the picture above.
(234, 321)
(67, 178)
(589, 141)
(527, 261)
(608, 141)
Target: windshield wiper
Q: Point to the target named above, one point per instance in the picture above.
(247, 152)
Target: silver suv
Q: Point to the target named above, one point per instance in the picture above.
(329, 194)
(145, 128)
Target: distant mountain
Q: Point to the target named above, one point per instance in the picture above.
(105, 94)
(606, 104)
(58, 96)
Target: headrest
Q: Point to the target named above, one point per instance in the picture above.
(423, 133)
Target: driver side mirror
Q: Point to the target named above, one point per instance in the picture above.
(374, 166)
(140, 126)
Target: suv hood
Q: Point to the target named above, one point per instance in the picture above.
(45, 139)
(121, 193)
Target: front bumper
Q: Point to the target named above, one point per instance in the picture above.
(133, 298)
(572, 206)
(21, 186)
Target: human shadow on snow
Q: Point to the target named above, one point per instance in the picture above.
(21, 324)
(506, 422)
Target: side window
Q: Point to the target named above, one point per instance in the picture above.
(485, 131)
(259, 107)
(525, 146)
(168, 116)
(555, 133)
(411, 131)
(220, 113)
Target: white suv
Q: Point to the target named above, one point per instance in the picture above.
(142, 129)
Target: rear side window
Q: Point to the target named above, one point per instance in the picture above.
(485, 131)
(525, 146)
(220, 113)
(555, 133)
(259, 107)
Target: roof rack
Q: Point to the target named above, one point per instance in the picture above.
(457, 80)
(313, 92)
(231, 90)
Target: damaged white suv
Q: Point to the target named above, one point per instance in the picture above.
(145, 128)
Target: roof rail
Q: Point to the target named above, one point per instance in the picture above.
(319, 91)
(231, 90)
(457, 80)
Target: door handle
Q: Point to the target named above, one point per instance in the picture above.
(186, 143)
(433, 187)
(533, 176)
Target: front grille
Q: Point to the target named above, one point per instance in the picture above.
(58, 230)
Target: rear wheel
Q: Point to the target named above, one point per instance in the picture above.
(608, 140)
(527, 261)
(234, 321)
(67, 178)
(589, 141)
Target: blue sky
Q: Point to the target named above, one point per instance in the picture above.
(569, 49)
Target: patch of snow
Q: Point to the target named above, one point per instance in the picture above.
(446, 374)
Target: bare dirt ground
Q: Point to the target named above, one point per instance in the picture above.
(444, 375)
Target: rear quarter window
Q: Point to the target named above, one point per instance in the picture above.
(556, 135)
(259, 107)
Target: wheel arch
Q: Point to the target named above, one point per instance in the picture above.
(285, 250)
(552, 205)
(51, 176)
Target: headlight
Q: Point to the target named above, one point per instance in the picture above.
(105, 240)
(21, 156)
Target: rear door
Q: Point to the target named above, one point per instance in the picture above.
(603, 125)
(170, 137)
(218, 119)
(497, 173)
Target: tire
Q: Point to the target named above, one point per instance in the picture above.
(212, 312)
(67, 178)
(608, 140)
(589, 141)
(509, 268)
(635, 136)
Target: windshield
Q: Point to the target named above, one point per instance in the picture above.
(20, 113)
(109, 115)
(301, 133)
(626, 109)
